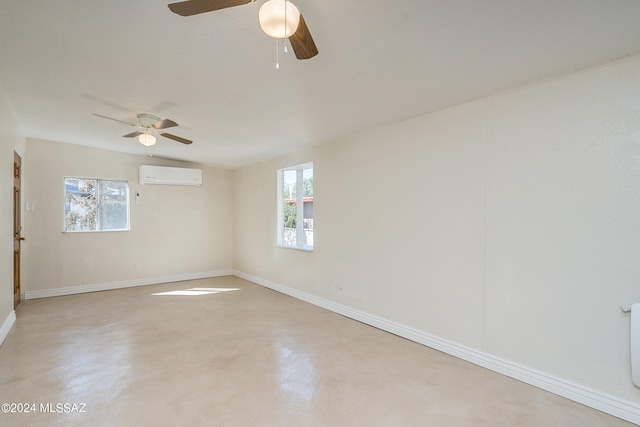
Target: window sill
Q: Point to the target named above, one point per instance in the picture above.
(296, 248)
(93, 231)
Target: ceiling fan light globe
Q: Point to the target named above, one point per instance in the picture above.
(147, 140)
(272, 18)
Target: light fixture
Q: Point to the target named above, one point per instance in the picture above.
(147, 140)
(277, 20)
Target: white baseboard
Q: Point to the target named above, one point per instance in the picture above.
(624, 409)
(6, 326)
(123, 284)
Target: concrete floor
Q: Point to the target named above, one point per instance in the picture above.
(243, 355)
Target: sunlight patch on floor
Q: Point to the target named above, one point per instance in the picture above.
(197, 291)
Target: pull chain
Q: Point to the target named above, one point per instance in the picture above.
(285, 27)
(286, 49)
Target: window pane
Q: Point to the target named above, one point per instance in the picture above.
(295, 206)
(289, 208)
(114, 196)
(80, 208)
(95, 205)
(307, 181)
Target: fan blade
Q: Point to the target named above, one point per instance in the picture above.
(165, 123)
(195, 7)
(302, 42)
(175, 138)
(132, 134)
(115, 120)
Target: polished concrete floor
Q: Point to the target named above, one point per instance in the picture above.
(231, 353)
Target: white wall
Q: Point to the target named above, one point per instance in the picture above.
(175, 231)
(509, 225)
(563, 236)
(11, 140)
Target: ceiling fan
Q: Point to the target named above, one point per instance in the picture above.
(147, 125)
(278, 18)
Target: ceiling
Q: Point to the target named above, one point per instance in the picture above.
(380, 61)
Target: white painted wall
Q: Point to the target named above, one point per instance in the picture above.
(510, 225)
(563, 236)
(174, 230)
(11, 140)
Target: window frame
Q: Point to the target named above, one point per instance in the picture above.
(300, 168)
(97, 187)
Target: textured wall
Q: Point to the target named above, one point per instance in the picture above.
(563, 236)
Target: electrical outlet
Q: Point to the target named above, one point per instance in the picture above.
(336, 286)
(135, 266)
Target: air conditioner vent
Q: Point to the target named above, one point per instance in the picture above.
(164, 175)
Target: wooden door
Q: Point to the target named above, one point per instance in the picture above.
(17, 228)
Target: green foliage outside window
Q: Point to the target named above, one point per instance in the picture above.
(96, 205)
(290, 212)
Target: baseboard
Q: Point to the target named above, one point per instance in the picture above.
(6, 326)
(626, 410)
(123, 284)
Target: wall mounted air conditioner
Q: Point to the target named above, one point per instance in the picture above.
(163, 175)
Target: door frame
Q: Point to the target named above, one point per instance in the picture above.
(17, 228)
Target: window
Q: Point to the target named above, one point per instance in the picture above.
(95, 205)
(295, 207)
